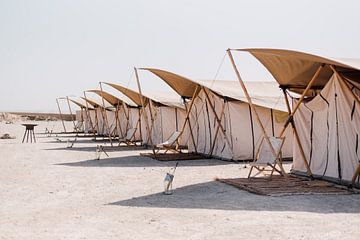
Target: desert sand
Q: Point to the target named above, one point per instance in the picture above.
(48, 191)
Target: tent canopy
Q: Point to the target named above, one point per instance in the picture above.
(162, 98)
(92, 102)
(265, 94)
(79, 103)
(133, 95)
(108, 97)
(293, 70)
(182, 85)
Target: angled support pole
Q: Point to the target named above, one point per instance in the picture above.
(88, 113)
(61, 116)
(73, 120)
(143, 107)
(187, 118)
(218, 120)
(266, 137)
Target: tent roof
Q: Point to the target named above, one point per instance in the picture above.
(162, 98)
(92, 102)
(134, 96)
(265, 94)
(294, 70)
(78, 103)
(182, 85)
(108, 97)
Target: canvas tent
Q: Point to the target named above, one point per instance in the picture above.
(157, 115)
(96, 123)
(115, 118)
(220, 122)
(326, 117)
(81, 115)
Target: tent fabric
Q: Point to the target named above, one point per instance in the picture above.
(265, 94)
(182, 85)
(294, 70)
(133, 95)
(161, 98)
(242, 135)
(329, 129)
(108, 97)
(79, 104)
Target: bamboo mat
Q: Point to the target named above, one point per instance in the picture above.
(281, 186)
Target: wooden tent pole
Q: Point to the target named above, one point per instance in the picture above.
(216, 117)
(61, 116)
(105, 115)
(143, 107)
(275, 154)
(297, 138)
(87, 109)
(187, 119)
(291, 116)
(357, 170)
(73, 120)
(217, 129)
(347, 86)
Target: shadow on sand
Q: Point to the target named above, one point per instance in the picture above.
(140, 161)
(92, 148)
(219, 196)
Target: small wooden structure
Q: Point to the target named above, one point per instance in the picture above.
(29, 132)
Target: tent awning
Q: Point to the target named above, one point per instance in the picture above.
(182, 85)
(265, 94)
(108, 97)
(293, 70)
(134, 96)
(162, 98)
(78, 103)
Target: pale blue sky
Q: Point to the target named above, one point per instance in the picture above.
(54, 48)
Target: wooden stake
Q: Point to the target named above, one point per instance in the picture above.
(143, 107)
(275, 154)
(61, 117)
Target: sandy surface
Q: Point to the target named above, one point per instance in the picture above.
(50, 192)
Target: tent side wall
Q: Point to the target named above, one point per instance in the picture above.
(329, 127)
(163, 121)
(242, 135)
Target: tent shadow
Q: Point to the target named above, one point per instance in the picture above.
(115, 148)
(140, 161)
(219, 196)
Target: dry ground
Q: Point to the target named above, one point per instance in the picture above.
(50, 192)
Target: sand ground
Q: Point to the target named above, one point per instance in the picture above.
(50, 192)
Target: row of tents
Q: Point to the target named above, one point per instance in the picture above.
(313, 104)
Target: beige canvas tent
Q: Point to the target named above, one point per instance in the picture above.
(221, 123)
(81, 115)
(326, 116)
(96, 123)
(115, 120)
(157, 117)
